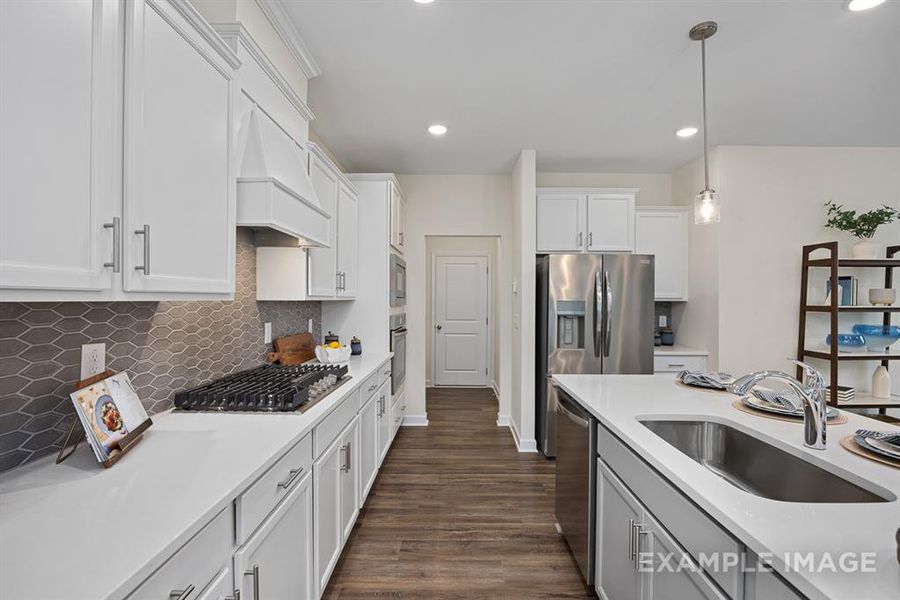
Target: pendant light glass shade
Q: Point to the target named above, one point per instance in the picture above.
(706, 207)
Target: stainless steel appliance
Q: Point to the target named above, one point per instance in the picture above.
(398, 281)
(576, 481)
(595, 315)
(398, 347)
(269, 388)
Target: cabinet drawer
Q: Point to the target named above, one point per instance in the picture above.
(673, 363)
(333, 424)
(370, 385)
(691, 527)
(196, 564)
(260, 498)
(384, 372)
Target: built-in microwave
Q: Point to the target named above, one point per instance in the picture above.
(398, 281)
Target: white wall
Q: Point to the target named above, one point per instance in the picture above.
(465, 245)
(655, 188)
(455, 205)
(772, 204)
(523, 302)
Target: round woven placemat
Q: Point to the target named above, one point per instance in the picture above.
(838, 420)
(850, 445)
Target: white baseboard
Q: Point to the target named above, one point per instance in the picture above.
(522, 445)
(496, 390)
(502, 420)
(415, 421)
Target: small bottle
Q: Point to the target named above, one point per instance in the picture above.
(355, 346)
(881, 383)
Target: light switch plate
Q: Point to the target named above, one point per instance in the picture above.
(267, 333)
(663, 321)
(93, 359)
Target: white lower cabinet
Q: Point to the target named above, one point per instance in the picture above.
(385, 424)
(277, 560)
(636, 558)
(350, 478)
(221, 587)
(368, 447)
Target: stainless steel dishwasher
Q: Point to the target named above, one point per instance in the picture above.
(576, 473)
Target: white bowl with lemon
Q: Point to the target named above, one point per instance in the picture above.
(333, 353)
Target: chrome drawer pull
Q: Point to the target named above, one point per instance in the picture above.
(146, 233)
(254, 572)
(676, 364)
(181, 594)
(292, 475)
(116, 226)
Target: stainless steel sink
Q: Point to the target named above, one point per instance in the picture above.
(756, 466)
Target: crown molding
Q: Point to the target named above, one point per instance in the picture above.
(283, 25)
(234, 33)
(317, 151)
(207, 31)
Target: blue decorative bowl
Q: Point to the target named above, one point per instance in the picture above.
(847, 341)
(878, 337)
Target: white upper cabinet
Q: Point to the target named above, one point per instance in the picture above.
(323, 277)
(347, 242)
(560, 222)
(58, 155)
(610, 222)
(179, 193)
(585, 220)
(398, 219)
(663, 232)
(129, 177)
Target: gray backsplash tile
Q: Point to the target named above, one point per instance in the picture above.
(164, 347)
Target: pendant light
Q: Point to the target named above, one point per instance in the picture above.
(706, 204)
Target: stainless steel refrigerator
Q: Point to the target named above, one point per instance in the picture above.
(595, 314)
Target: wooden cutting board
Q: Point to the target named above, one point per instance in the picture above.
(293, 349)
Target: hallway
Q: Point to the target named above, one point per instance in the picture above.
(457, 512)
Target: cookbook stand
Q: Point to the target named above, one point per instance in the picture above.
(73, 437)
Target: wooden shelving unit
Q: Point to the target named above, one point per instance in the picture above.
(834, 263)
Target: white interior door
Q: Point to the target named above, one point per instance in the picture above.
(460, 296)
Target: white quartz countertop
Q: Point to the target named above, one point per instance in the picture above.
(764, 525)
(77, 531)
(678, 351)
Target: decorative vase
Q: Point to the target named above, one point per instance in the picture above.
(865, 249)
(882, 296)
(881, 383)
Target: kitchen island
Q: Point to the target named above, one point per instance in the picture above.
(781, 532)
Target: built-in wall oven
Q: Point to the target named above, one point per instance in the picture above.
(398, 347)
(398, 281)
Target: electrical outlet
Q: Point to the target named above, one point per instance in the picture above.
(663, 321)
(309, 326)
(93, 359)
(267, 333)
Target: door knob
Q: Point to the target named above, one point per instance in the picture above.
(438, 327)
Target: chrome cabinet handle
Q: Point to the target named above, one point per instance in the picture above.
(116, 226)
(591, 239)
(345, 462)
(343, 281)
(386, 373)
(580, 239)
(337, 280)
(401, 238)
(146, 233)
(254, 572)
(181, 594)
(639, 531)
(631, 539)
(349, 456)
(292, 475)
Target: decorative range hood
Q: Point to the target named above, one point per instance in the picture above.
(274, 191)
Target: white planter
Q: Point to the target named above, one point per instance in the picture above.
(865, 249)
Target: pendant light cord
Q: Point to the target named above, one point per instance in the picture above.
(705, 136)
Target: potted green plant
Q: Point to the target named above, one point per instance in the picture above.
(863, 225)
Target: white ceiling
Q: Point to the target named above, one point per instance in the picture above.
(593, 85)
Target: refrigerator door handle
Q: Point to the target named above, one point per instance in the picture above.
(607, 313)
(598, 314)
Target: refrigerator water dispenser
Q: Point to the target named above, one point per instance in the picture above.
(570, 324)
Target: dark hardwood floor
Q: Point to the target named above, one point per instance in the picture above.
(457, 512)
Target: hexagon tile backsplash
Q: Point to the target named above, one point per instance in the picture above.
(164, 347)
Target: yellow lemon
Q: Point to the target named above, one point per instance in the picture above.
(334, 345)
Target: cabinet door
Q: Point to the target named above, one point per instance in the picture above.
(327, 512)
(221, 587)
(347, 242)
(277, 561)
(350, 478)
(664, 234)
(610, 222)
(396, 205)
(58, 153)
(615, 572)
(368, 448)
(670, 574)
(323, 261)
(383, 398)
(179, 211)
(560, 223)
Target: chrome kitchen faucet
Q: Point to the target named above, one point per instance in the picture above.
(811, 391)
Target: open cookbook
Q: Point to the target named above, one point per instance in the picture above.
(110, 410)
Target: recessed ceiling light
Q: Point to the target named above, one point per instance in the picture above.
(423, 1)
(858, 5)
(686, 132)
(437, 129)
